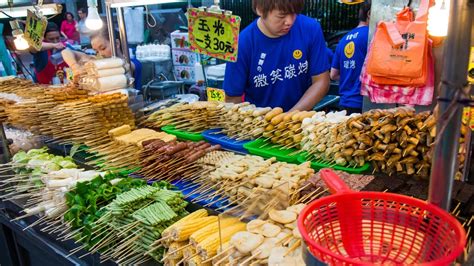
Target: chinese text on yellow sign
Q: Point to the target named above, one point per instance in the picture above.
(214, 34)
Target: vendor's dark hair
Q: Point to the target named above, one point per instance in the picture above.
(68, 13)
(285, 6)
(83, 10)
(51, 27)
(364, 10)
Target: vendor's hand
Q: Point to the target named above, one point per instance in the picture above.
(59, 46)
(77, 72)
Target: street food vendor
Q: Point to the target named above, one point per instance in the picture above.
(101, 44)
(348, 61)
(45, 70)
(282, 59)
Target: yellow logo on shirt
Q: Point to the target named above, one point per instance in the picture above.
(297, 54)
(349, 50)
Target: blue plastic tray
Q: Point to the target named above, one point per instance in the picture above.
(225, 142)
(187, 188)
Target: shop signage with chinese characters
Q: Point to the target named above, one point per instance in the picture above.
(35, 29)
(214, 34)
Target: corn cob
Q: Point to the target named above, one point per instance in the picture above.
(174, 246)
(203, 233)
(209, 246)
(183, 231)
(189, 252)
(197, 214)
(197, 261)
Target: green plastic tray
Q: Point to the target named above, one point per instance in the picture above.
(182, 135)
(272, 150)
(320, 165)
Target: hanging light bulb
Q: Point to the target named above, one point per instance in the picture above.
(20, 42)
(93, 20)
(438, 18)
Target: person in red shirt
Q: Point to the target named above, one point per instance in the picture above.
(69, 29)
(45, 70)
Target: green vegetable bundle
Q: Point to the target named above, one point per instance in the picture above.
(30, 166)
(135, 220)
(86, 201)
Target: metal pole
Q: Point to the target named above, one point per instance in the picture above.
(454, 77)
(123, 35)
(110, 26)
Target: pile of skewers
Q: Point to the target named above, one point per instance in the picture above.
(24, 88)
(324, 139)
(242, 121)
(89, 120)
(271, 241)
(33, 113)
(22, 177)
(242, 179)
(285, 129)
(196, 239)
(193, 117)
(123, 148)
(168, 161)
(49, 200)
(133, 221)
(395, 140)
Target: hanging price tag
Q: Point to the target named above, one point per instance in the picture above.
(214, 34)
(35, 29)
(216, 95)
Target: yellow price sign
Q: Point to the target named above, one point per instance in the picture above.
(214, 34)
(35, 29)
(215, 95)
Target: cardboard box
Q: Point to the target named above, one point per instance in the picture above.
(180, 40)
(185, 73)
(183, 57)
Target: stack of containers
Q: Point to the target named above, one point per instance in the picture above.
(186, 63)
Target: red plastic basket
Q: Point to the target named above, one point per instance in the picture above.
(374, 228)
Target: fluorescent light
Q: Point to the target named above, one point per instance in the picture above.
(125, 3)
(20, 12)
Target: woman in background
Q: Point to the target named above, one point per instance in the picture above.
(68, 28)
(84, 32)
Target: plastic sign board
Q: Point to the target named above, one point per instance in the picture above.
(35, 29)
(214, 34)
(215, 95)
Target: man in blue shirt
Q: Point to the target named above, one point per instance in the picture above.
(282, 60)
(348, 61)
